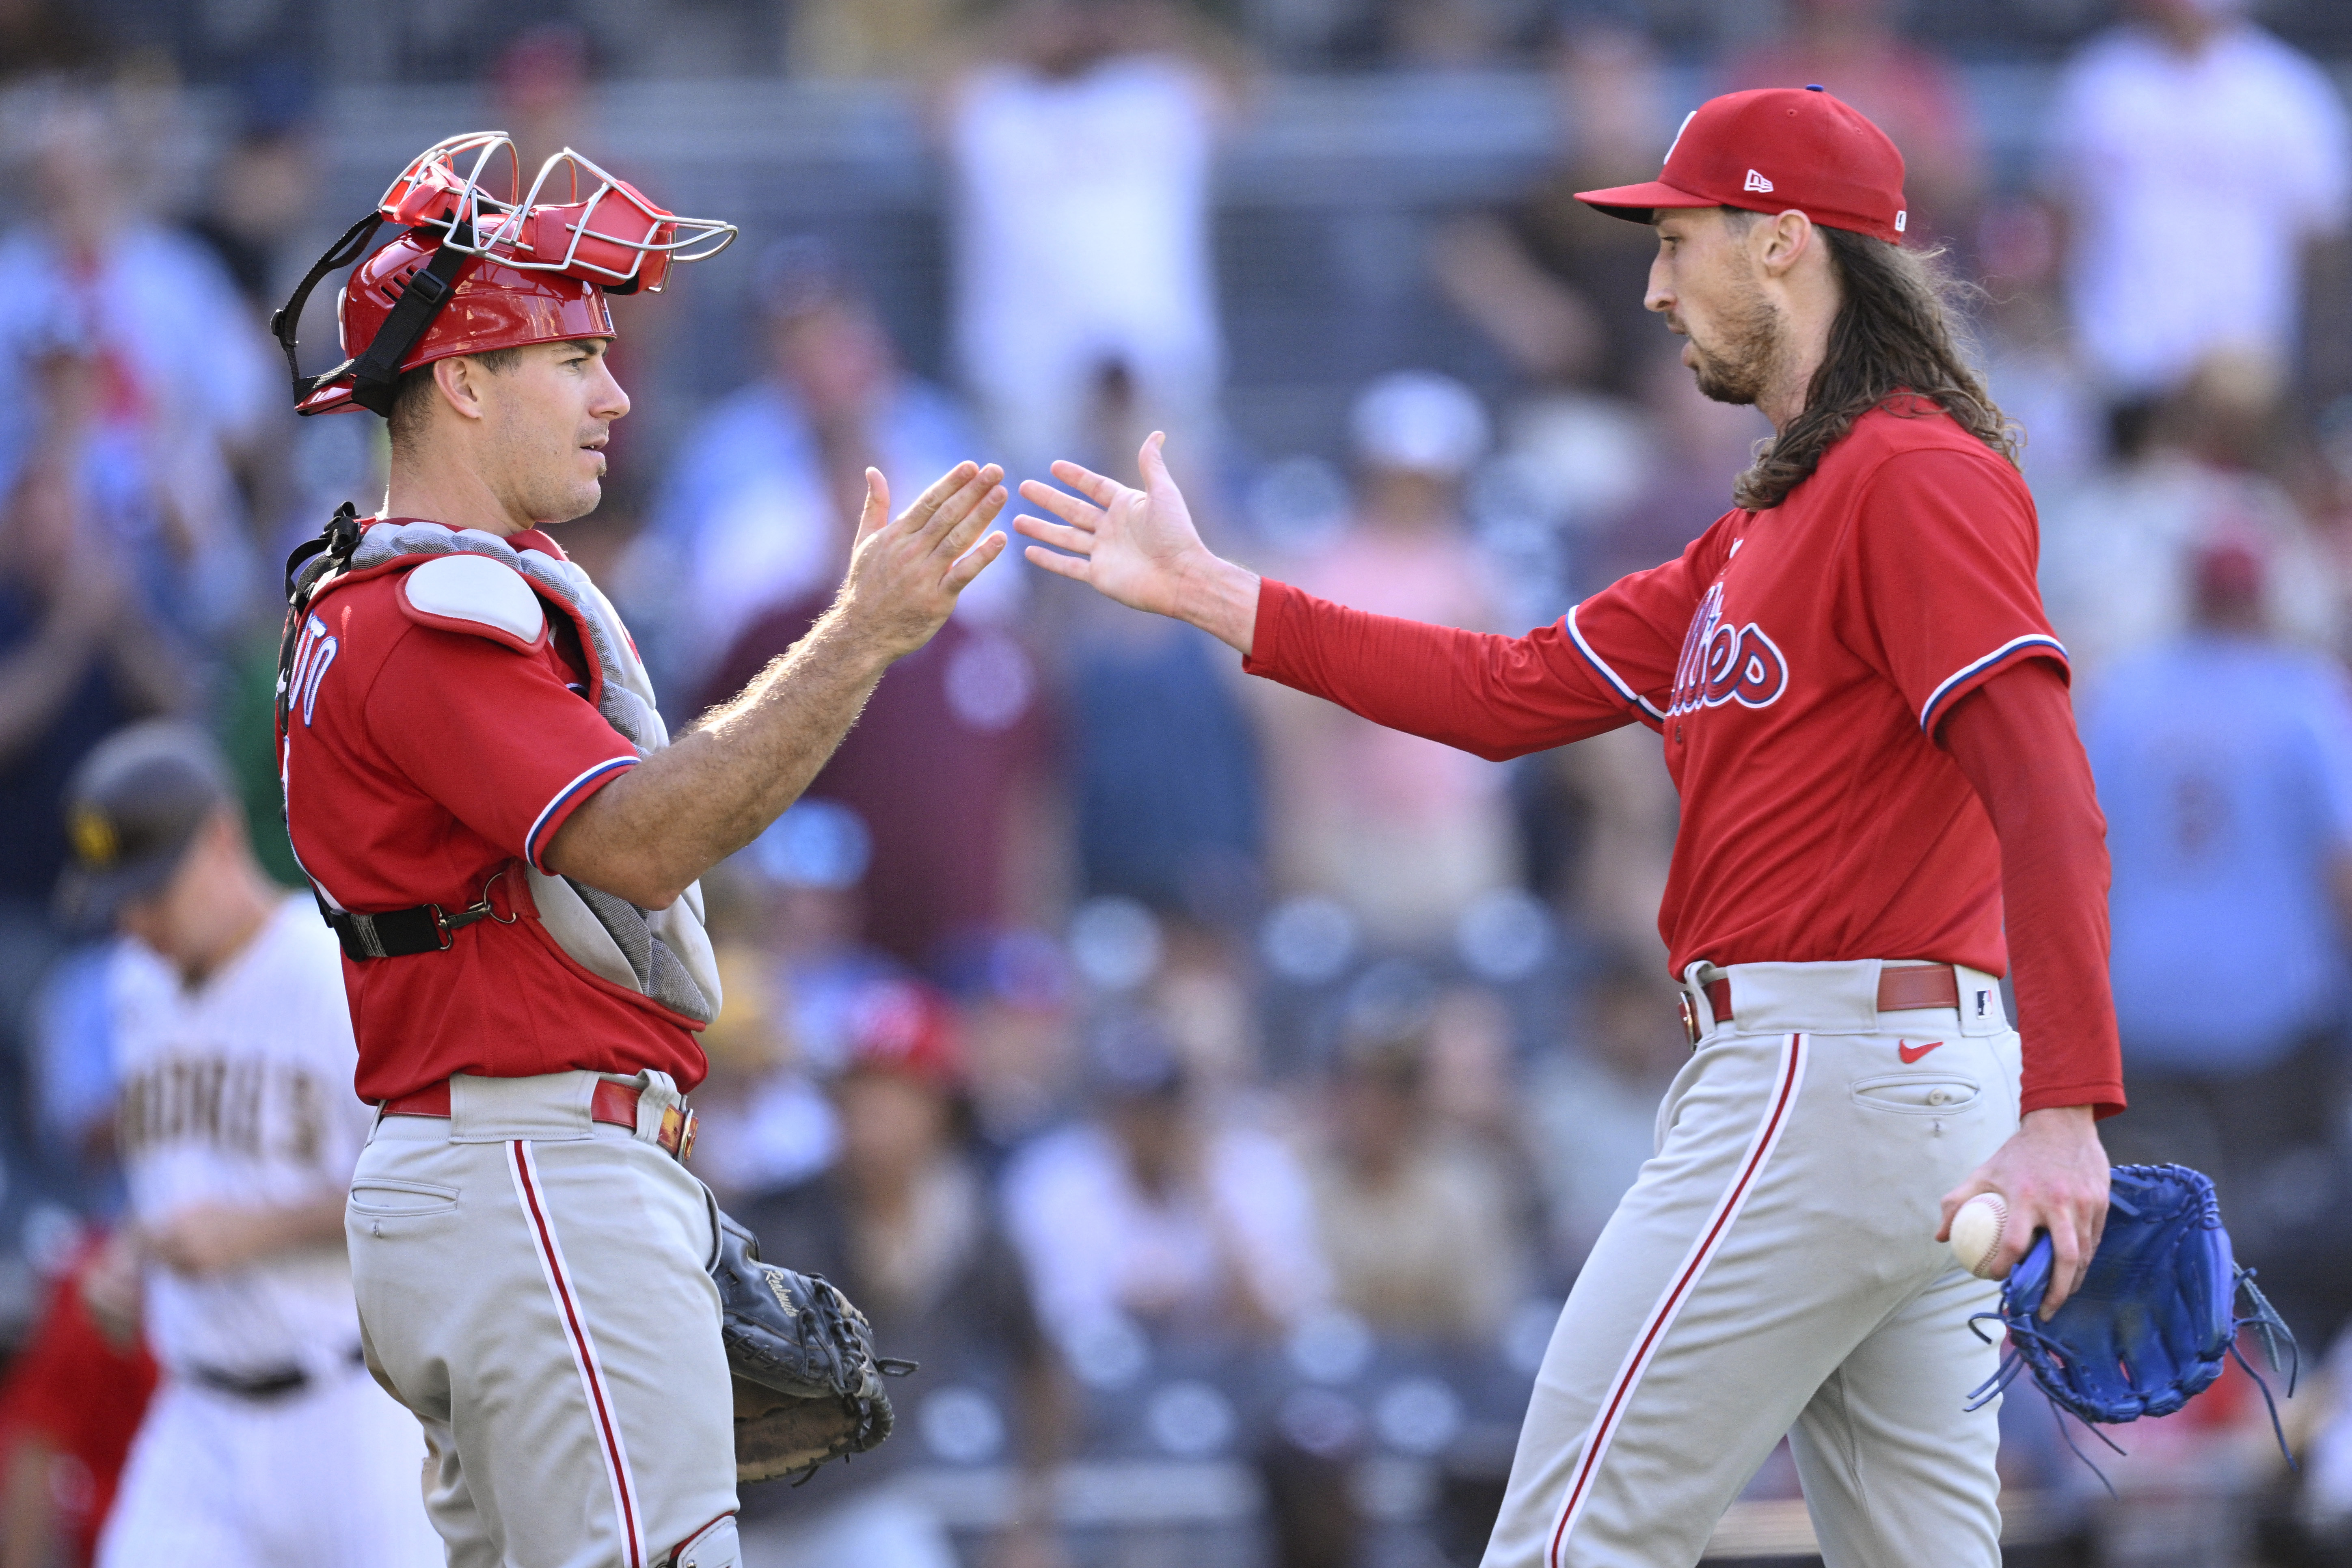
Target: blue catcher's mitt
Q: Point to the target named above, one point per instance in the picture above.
(2155, 1316)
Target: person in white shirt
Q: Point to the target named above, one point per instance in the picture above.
(1080, 226)
(1151, 1219)
(267, 1444)
(2187, 106)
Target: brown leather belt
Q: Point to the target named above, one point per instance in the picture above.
(614, 1104)
(1906, 989)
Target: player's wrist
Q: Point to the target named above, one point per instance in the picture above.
(1217, 597)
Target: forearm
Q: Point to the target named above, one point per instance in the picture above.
(210, 1238)
(1495, 697)
(2014, 738)
(153, 671)
(35, 683)
(662, 823)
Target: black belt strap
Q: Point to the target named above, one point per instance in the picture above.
(374, 371)
(375, 374)
(398, 933)
(271, 1383)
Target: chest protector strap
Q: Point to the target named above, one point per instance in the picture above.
(662, 954)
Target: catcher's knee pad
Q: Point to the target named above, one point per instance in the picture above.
(712, 1546)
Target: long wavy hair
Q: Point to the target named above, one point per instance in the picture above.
(1899, 329)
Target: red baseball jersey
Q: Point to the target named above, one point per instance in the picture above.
(422, 760)
(1796, 662)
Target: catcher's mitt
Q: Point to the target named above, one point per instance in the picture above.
(2156, 1314)
(808, 1386)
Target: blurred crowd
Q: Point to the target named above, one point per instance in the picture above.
(1216, 1093)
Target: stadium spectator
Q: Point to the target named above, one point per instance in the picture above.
(2224, 764)
(1166, 780)
(1417, 1227)
(2117, 548)
(904, 1225)
(949, 769)
(1592, 1098)
(2032, 363)
(45, 39)
(1079, 223)
(1153, 1214)
(1015, 1002)
(77, 658)
(870, 38)
(1555, 286)
(758, 509)
(182, 381)
(2186, 104)
(1404, 831)
(261, 195)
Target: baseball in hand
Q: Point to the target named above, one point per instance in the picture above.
(1976, 1230)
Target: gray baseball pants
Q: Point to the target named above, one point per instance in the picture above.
(534, 1285)
(1774, 1271)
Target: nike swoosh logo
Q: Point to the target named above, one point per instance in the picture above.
(1913, 1053)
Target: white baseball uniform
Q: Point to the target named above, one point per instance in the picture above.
(268, 1443)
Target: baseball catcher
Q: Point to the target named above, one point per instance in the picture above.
(507, 841)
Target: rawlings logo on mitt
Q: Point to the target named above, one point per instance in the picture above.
(808, 1386)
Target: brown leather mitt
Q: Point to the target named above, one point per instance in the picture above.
(808, 1386)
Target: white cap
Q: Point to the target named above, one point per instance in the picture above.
(1420, 420)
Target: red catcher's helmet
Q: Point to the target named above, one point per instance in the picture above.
(477, 272)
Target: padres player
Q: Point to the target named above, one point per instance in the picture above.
(1866, 717)
(266, 1443)
(506, 843)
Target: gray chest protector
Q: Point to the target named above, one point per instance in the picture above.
(662, 954)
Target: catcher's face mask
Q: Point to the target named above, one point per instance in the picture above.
(521, 267)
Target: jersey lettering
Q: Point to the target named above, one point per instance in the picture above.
(313, 654)
(246, 1107)
(1721, 663)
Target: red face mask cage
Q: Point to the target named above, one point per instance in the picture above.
(614, 237)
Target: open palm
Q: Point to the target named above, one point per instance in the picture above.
(1138, 547)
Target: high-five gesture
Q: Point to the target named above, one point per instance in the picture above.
(1139, 547)
(906, 572)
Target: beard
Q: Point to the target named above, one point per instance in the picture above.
(1739, 366)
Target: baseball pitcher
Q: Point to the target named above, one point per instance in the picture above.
(1865, 715)
(507, 841)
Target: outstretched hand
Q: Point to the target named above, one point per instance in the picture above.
(2053, 1175)
(1139, 547)
(906, 572)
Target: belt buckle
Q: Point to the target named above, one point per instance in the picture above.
(678, 1129)
(1690, 1018)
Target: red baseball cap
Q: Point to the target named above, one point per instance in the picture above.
(1772, 150)
(906, 1027)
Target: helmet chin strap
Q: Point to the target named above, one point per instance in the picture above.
(375, 374)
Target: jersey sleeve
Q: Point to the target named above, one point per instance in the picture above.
(494, 735)
(1941, 590)
(1608, 662)
(2017, 744)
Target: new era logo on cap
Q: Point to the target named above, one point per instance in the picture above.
(1756, 181)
